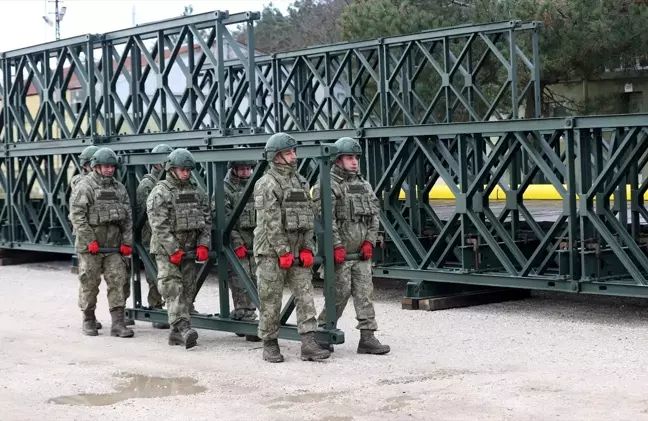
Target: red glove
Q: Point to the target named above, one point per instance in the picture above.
(366, 250)
(125, 250)
(176, 258)
(286, 261)
(241, 252)
(202, 254)
(93, 247)
(306, 256)
(339, 254)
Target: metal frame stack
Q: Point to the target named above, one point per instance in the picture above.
(441, 105)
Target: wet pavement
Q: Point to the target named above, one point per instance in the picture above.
(138, 386)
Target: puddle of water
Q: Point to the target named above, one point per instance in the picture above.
(138, 386)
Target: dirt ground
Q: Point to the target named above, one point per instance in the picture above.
(546, 358)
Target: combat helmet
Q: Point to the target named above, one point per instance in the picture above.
(347, 146)
(86, 155)
(279, 142)
(104, 156)
(162, 148)
(180, 158)
(232, 164)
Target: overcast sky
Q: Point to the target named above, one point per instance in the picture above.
(22, 24)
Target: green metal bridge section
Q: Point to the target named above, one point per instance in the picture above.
(458, 106)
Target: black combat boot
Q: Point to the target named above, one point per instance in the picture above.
(89, 323)
(189, 335)
(118, 328)
(370, 345)
(311, 350)
(271, 351)
(175, 338)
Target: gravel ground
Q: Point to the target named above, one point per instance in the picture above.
(549, 357)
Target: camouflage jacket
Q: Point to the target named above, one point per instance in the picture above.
(243, 231)
(143, 190)
(180, 217)
(100, 210)
(355, 210)
(285, 219)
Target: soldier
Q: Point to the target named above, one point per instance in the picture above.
(100, 212)
(180, 218)
(284, 231)
(84, 161)
(355, 228)
(242, 238)
(143, 191)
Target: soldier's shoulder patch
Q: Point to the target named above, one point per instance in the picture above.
(258, 201)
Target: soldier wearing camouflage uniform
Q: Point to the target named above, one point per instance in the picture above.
(100, 212)
(180, 218)
(284, 232)
(355, 229)
(242, 238)
(84, 161)
(143, 190)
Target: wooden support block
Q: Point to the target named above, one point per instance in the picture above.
(10, 257)
(469, 299)
(409, 303)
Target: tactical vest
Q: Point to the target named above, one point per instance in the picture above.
(107, 208)
(356, 205)
(247, 219)
(186, 212)
(296, 208)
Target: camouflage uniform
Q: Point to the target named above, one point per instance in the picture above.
(143, 190)
(180, 219)
(285, 225)
(100, 212)
(84, 159)
(355, 223)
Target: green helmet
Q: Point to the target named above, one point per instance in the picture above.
(232, 164)
(104, 156)
(347, 146)
(180, 158)
(279, 142)
(86, 155)
(162, 148)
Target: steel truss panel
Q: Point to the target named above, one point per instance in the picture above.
(191, 74)
(595, 245)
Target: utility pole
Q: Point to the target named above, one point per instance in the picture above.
(59, 13)
(58, 21)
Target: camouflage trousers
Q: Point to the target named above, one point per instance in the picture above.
(244, 309)
(354, 279)
(271, 280)
(154, 298)
(115, 272)
(177, 284)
